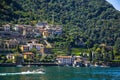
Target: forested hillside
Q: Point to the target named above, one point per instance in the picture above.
(8, 9)
(85, 22)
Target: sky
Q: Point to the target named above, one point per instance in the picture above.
(115, 3)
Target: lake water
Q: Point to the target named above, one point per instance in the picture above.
(60, 73)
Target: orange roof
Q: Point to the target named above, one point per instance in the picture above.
(64, 56)
(39, 44)
(28, 53)
(24, 46)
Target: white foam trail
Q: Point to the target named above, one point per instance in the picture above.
(21, 73)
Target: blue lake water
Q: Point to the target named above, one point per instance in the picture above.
(60, 73)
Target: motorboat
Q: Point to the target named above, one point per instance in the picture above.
(19, 65)
(38, 71)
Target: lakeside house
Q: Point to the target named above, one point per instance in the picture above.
(29, 46)
(10, 34)
(6, 27)
(14, 58)
(37, 46)
(11, 57)
(45, 34)
(78, 58)
(24, 48)
(42, 25)
(72, 60)
(78, 61)
(65, 60)
(28, 55)
(18, 28)
(12, 43)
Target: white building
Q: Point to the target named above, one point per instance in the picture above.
(42, 25)
(36, 46)
(6, 27)
(65, 60)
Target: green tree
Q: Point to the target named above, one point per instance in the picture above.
(90, 56)
(117, 47)
(34, 50)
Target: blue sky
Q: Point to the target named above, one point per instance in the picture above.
(115, 3)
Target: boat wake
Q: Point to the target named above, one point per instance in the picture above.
(23, 73)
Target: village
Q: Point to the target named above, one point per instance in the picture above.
(26, 44)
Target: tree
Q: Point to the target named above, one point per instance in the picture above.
(90, 56)
(18, 49)
(98, 54)
(34, 50)
(111, 55)
(117, 47)
(104, 54)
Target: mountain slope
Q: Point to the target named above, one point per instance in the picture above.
(7, 9)
(86, 22)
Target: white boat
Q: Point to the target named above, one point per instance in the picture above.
(20, 65)
(99, 66)
(38, 71)
(24, 73)
(77, 66)
(28, 65)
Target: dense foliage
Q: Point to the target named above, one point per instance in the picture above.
(86, 23)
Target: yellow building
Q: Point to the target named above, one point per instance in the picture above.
(28, 55)
(24, 48)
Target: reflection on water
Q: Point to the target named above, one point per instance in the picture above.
(61, 73)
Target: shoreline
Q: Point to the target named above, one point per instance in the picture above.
(45, 64)
(27, 64)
